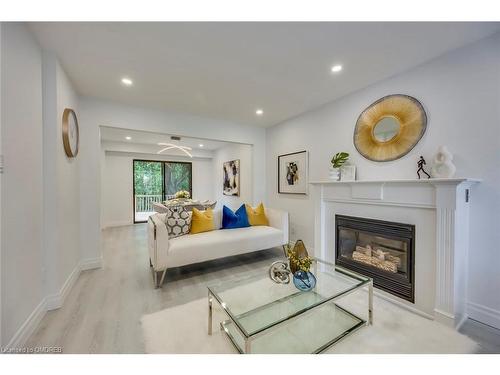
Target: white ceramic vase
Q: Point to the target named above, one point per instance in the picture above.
(334, 174)
(443, 167)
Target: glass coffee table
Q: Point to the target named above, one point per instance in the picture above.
(266, 317)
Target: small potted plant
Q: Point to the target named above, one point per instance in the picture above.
(338, 160)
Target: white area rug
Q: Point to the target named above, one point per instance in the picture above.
(183, 329)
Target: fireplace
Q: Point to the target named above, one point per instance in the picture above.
(379, 249)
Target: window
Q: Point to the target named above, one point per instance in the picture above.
(178, 176)
(156, 181)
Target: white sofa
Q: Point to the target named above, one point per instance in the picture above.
(195, 248)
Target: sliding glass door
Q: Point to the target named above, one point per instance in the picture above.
(156, 181)
(148, 187)
(178, 176)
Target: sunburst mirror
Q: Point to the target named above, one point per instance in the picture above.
(389, 128)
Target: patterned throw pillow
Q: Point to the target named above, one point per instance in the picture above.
(178, 221)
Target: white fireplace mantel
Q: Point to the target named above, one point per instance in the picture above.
(440, 207)
(401, 181)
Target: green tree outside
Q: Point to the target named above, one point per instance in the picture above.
(177, 177)
(148, 179)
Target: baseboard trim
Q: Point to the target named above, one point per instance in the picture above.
(90, 264)
(51, 302)
(113, 224)
(462, 322)
(55, 301)
(444, 318)
(483, 314)
(385, 296)
(403, 305)
(29, 326)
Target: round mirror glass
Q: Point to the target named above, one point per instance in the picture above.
(386, 129)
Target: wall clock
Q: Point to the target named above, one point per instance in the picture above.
(70, 133)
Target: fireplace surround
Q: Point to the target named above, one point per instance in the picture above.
(378, 249)
(439, 210)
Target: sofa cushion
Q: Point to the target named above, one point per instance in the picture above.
(233, 220)
(217, 218)
(195, 248)
(257, 215)
(202, 221)
(178, 221)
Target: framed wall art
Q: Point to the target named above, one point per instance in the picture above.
(348, 173)
(293, 173)
(231, 178)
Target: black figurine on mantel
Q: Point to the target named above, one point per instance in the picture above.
(420, 164)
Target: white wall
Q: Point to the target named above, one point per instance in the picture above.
(461, 94)
(245, 155)
(117, 204)
(61, 183)
(22, 182)
(117, 190)
(95, 113)
(41, 254)
(68, 185)
(1, 174)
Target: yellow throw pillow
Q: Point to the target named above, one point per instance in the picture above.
(256, 216)
(202, 221)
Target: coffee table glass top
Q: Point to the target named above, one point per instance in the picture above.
(256, 304)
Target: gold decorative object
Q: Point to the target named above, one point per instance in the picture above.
(70, 133)
(389, 128)
(298, 257)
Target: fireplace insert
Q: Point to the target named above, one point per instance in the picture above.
(379, 249)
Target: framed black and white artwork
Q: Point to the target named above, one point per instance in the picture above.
(292, 173)
(231, 178)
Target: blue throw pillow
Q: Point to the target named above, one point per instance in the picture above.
(232, 220)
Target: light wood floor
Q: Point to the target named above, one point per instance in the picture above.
(102, 313)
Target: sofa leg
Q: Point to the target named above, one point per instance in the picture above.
(155, 279)
(150, 264)
(162, 277)
(158, 283)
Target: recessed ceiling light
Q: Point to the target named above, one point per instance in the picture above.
(128, 138)
(336, 68)
(259, 112)
(127, 81)
(201, 144)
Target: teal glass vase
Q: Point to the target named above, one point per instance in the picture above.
(304, 280)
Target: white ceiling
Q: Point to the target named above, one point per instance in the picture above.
(110, 134)
(227, 70)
